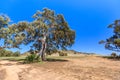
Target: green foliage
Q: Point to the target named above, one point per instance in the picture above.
(48, 31)
(54, 27)
(62, 54)
(113, 43)
(4, 21)
(113, 55)
(16, 54)
(2, 51)
(6, 53)
(32, 58)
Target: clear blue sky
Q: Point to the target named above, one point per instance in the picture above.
(89, 18)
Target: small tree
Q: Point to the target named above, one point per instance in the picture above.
(113, 55)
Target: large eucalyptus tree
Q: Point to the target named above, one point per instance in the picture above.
(48, 32)
(51, 32)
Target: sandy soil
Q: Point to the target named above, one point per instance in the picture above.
(88, 68)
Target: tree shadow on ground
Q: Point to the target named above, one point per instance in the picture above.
(12, 59)
(55, 60)
(18, 61)
(111, 58)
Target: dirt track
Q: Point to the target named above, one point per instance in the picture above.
(89, 68)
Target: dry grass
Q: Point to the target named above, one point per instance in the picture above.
(77, 67)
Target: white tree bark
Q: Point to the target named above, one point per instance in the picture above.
(43, 48)
(44, 45)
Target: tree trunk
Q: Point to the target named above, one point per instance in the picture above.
(43, 56)
(43, 49)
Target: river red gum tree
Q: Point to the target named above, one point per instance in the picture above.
(48, 32)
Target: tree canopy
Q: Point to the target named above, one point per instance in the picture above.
(113, 43)
(4, 20)
(47, 32)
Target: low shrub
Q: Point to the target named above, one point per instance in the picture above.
(7, 53)
(62, 54)
(113, 55)
(32, 58)
(16, 54)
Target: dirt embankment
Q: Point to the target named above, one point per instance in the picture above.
(88, 68)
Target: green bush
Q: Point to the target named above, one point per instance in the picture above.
(6, 53)
(62, 54)
(113, 55)
(2, 51)
(16, 54)
(32, 58)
